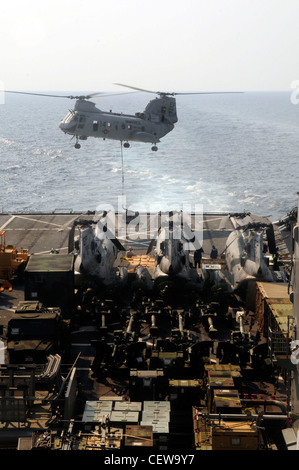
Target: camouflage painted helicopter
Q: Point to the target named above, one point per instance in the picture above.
(86, 120)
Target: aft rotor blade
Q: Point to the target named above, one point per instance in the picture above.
(205, 93)
(103, 95)
(146, 91)
(178, 93)
(135, 88)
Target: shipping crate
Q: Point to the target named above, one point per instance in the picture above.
(234, 435)
(273, 307)
(138, 436)
(227, 401)
(50, 280)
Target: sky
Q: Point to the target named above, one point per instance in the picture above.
(168, 45)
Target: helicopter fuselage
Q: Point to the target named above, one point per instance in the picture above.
(86, 120)
(245, 258)
(97, 255)
(171, 259)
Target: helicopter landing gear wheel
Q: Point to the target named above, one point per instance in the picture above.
(154, 148)
(77, 145)
(126, 145)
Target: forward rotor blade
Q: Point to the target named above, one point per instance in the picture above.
(37, 94)
(71, 97)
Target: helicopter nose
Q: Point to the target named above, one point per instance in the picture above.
(67, 127)
(64, 127)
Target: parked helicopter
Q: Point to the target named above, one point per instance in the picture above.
(173, 277)
(97, 252)
(86, 120)
(245, 250)
(172, 250)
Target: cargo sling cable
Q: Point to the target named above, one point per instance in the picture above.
(122, 174)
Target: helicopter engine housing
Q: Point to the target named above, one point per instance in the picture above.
(161, 110)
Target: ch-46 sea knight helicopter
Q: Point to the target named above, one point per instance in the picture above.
(86, 120)
(97, 251)
(174, 241)
(246, 249)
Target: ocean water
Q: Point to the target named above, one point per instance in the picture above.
(227, 152)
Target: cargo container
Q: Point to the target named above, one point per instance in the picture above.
(274, 314)
(49, 278)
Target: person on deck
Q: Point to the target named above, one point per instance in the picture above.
(197, 257)
(214, 252)
(130, 253)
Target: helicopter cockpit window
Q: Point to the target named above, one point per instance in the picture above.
(95, 125)
(69, 117)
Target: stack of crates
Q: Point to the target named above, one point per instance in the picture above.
(141, 423)
(274, 312)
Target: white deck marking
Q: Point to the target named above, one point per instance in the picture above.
(7, 222)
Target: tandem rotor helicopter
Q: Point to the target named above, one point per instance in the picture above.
(86, 120)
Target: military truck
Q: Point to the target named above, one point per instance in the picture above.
(34, 332)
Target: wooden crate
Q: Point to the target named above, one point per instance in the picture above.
(273, 306)
(235, 435)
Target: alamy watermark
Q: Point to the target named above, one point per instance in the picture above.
(183, 222)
